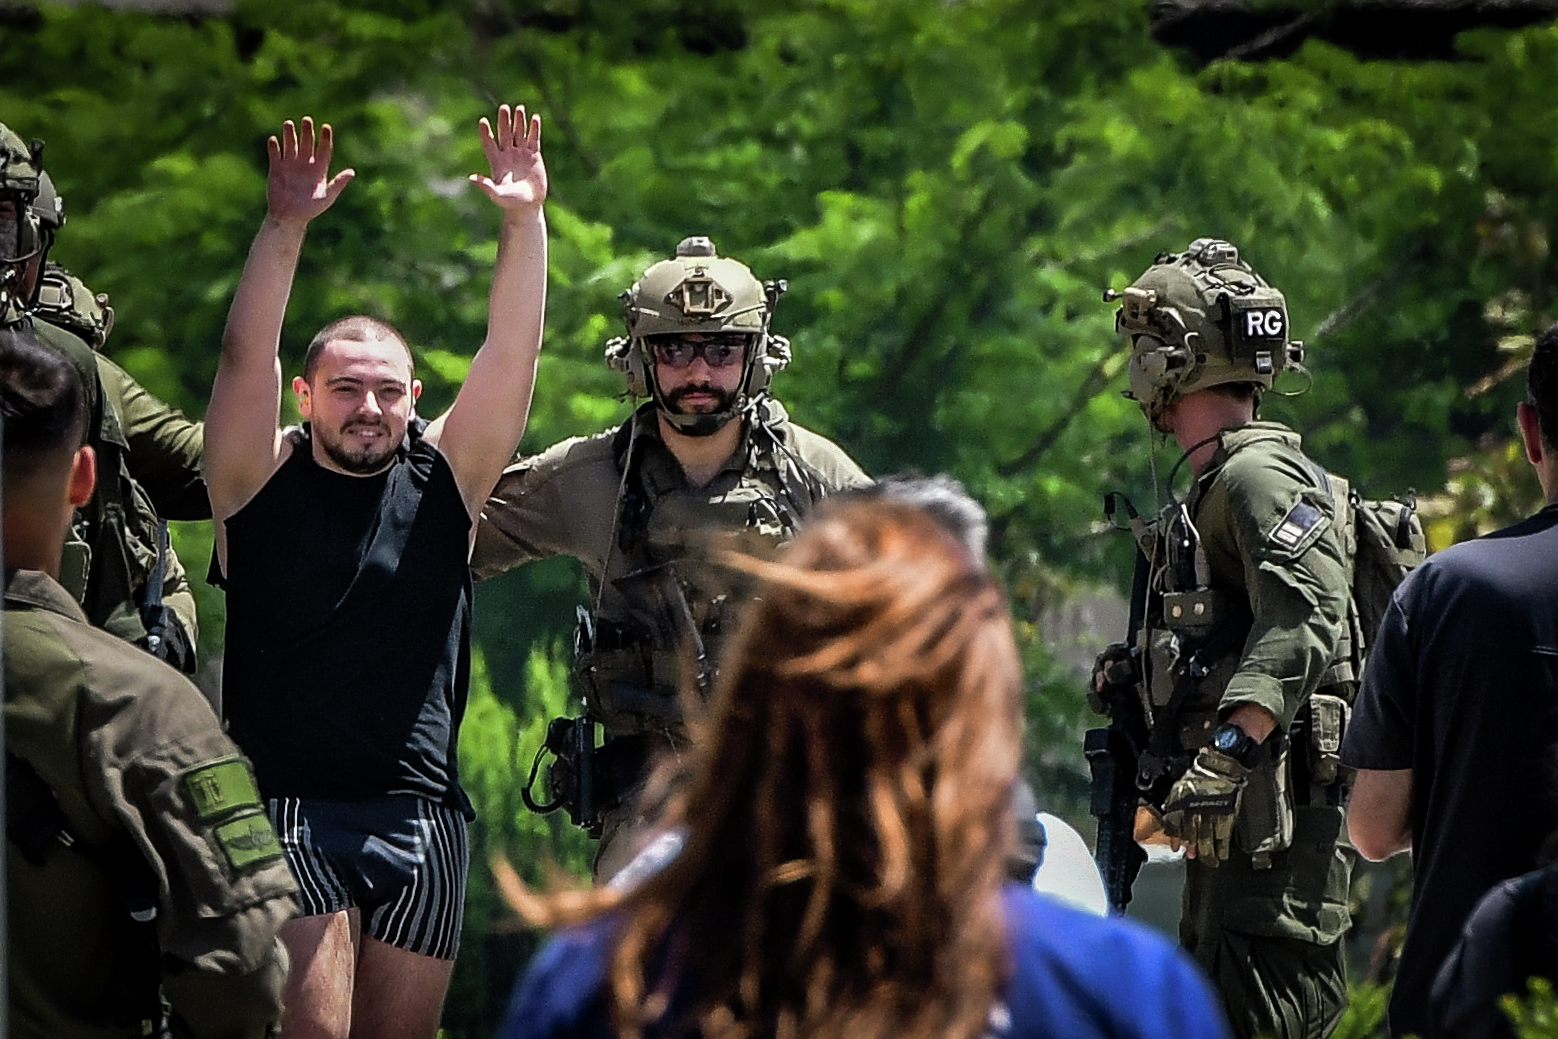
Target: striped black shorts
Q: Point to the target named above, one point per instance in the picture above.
(400, 860)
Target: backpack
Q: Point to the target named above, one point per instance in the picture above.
(1383, 541)
(1389, 544)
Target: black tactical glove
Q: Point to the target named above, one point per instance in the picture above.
(1202, 804)
(1114, 667)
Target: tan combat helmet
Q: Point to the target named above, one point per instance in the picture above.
(1198, 319)
(697, 290)
(21, 168)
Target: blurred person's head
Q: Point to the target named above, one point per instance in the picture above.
(945, 499)
(48, 472)
(849, 812)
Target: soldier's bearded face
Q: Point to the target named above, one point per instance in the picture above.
(697, 387)
(359, 403)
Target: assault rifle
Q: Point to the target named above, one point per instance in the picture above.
(588, 780)
(1113, 750)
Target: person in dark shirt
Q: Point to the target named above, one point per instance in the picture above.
(1510, 937)
(345, 555)
(845, 830)
(1452, 731)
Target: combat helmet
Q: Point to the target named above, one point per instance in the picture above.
(63, 299)
(48, 208)
(697, 290)
(21, 169)
(1198, 319)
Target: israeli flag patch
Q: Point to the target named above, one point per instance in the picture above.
(1301, 521)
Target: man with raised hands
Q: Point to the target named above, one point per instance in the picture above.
(344, 550)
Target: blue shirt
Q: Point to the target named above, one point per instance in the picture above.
(1075, 976)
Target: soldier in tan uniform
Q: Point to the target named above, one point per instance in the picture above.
(118, 564)
(1246, 655)
(710, 454)
(141, 865)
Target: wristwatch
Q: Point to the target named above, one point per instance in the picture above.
(1233, 741)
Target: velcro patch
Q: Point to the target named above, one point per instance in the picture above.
(248, 840)
(220, 788)
(1295, 528)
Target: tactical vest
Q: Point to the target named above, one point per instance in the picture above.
(1193, 642)
(117, 542)
(673, 606)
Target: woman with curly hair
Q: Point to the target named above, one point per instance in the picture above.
(845, 822)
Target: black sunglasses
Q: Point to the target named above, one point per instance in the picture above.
(717, 351)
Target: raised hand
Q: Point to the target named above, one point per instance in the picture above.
(299, 186)
(518, 178)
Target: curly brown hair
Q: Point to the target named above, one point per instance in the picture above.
(848, 808)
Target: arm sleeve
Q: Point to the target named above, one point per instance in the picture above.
(239, 1006)
(165, 447)
(525, 518)
(1296, 578)
(837, 471)
(187, 798)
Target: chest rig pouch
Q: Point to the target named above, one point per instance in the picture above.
(674, 606)
(1193, 647)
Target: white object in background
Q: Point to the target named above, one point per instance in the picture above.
(1068, 871)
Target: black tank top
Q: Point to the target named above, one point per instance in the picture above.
(348, 629)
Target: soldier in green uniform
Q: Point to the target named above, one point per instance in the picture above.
(1244, 659)
(711, 453)
(141, 865)
(119, 564)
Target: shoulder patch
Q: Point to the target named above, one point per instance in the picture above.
(248, 840)
(219, 788)
(224, 796)
(1300, 525)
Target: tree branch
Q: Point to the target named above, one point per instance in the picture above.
(1100, 376)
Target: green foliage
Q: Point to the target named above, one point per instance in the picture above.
(497, 742)
(947, 187)
(1535, 1016)
(1364, 1017)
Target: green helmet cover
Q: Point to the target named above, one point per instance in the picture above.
(21, 173)
(697, 290)
(1198, 319)
(21, 164)
(64, 300)
(47, 205)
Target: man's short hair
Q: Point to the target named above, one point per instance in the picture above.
(1542, 385)
(41, 401)
(1245, 391)
(356, 328)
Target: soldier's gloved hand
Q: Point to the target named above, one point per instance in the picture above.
(1202, 804)
(1114, 666)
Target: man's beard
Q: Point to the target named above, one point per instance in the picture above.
(364, 459)
(10, 240)
(725, 400)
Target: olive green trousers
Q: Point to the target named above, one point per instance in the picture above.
(1271, 938)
